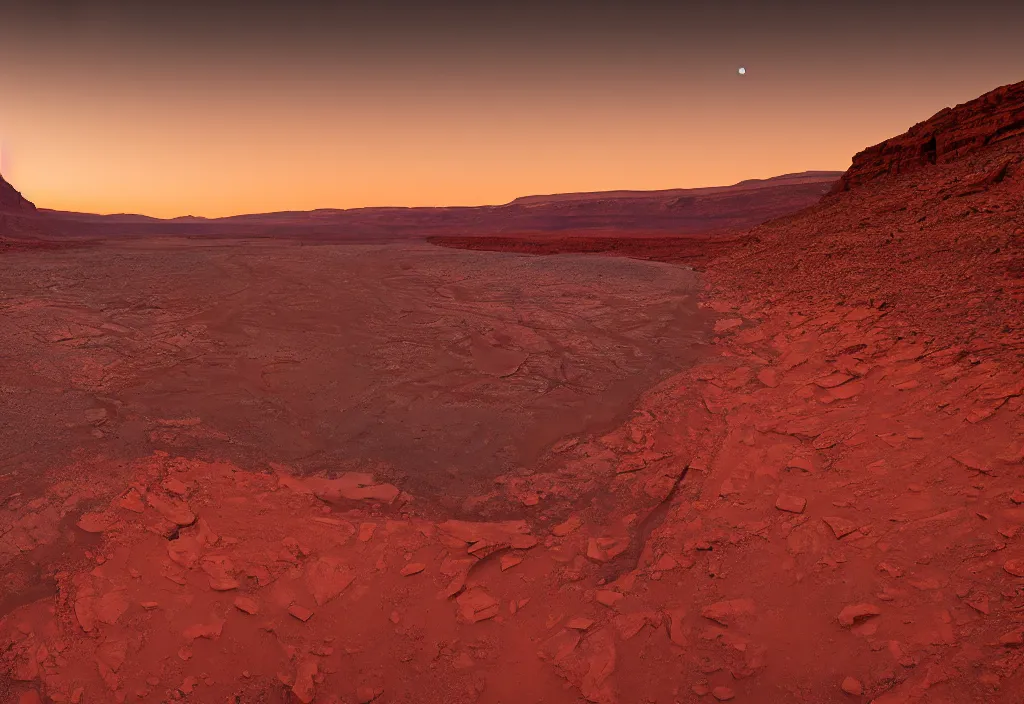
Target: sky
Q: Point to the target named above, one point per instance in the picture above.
(216, 108)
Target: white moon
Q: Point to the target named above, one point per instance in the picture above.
(742, 70)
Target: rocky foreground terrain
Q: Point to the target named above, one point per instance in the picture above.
(827, 506)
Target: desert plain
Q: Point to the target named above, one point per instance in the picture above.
(563, 451)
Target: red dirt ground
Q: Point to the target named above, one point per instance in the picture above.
(825, 506)
(693, 250)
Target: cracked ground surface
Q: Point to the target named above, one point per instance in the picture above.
(436, 369)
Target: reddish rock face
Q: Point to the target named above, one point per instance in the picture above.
(12, 201)
(948, 135)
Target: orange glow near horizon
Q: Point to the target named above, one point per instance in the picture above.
(212, 133)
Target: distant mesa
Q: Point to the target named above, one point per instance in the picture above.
(681, 211)
(802, 178)
(948, 135)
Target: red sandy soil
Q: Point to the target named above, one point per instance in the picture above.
(825, 506)
(693, 250)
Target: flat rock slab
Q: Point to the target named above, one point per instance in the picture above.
(424, 358)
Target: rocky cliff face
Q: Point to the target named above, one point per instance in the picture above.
(18, 219)
(949, 135)
(12, 201)
(928, 225)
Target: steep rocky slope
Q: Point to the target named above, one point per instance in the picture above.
(951, 134)
(939, 240)
(11, 201)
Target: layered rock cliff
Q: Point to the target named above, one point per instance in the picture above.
(941, 244)
(947, 136)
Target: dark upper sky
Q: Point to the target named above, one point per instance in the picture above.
(223, 107)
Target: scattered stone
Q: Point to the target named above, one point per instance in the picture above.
(300, 612)
(485, 538)
(969, 460)
(352, 486)
(792, 504)
(597, 663)
(560, 646)
(95, 522)
(665, 563)
(220, 572)
(304, 688)
(852, 686)
(111, 606)
(890, 570)
(175, 486)
(676, 631)
(841, 527)
(1012, 638)
(606, 549)
(209, 631)
(509, 561)
(132, 501)
(564, 445)
(607, 597)
(726, 612)
(833, 380)
(476, 604)
(769, 377)
(804, 464)
(722, 694)
(366, 531)
(580, 623)
(564, 529)
(366, 694)
(175, 511)
(1014, 566)
(851, 614)
(846, 391)
(727, 324)
(327, 578)
(247, 605)
(185, 551)
(979, 603)
(413, 568)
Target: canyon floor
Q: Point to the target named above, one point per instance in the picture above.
(274, 472)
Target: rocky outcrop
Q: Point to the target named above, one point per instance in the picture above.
(12, 201)
(945, 137)
(21, 225)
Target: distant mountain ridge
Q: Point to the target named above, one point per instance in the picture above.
(709, 210)
(804, 177)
